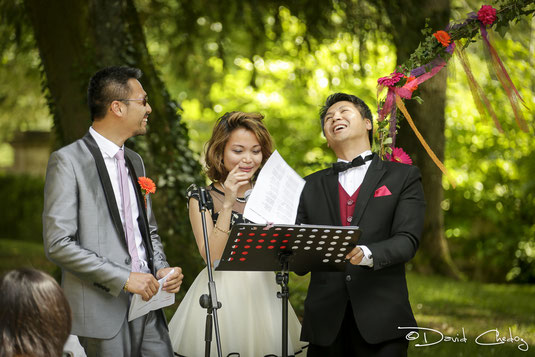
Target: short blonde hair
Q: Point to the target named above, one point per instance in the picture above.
(215, 147)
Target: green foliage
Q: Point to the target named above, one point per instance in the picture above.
(22, 106)
(22, 199)
(288, 84)
(185, 36)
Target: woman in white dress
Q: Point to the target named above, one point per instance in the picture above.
(250, 319)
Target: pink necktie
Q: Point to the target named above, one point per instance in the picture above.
(127, 210)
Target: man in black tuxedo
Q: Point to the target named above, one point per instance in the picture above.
(357, 312)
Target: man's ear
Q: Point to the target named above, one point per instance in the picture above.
(368, 124)
(117, 108)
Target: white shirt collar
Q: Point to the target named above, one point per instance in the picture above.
(107, 146)
(364, 154)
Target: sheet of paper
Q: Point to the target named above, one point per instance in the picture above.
(138, 307)
(276, 193)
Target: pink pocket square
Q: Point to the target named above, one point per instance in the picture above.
(382, 191)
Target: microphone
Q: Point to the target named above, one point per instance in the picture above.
(247, 194)
(202, 198)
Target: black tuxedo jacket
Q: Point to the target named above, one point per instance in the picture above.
(391, 227)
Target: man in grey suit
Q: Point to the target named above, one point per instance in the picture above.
(99, 230)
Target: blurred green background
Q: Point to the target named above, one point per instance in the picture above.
(283, 58)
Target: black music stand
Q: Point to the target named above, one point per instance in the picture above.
(285, 248)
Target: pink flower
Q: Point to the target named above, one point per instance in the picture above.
(487, 15)
(390, 80)
(400, 156)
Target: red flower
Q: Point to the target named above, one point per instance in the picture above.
(443, 37)
(147, 185)
(390, 80)
(487, 15)
(400, 156)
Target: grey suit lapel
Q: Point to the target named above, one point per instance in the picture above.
(106, 183)
(330, 187)
(367, 188)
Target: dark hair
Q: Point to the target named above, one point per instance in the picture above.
(363, 109)
(107, 85)
(215, 147)
(35, 314)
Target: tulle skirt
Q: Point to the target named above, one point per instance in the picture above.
(250, 319)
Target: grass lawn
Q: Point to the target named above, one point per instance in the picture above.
(448, 306)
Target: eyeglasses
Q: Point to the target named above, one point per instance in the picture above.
(144, 100)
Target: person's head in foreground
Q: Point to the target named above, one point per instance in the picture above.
(34, 313)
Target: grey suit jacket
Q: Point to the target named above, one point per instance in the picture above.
(83, 235)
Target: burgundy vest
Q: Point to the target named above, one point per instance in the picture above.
(347, 205)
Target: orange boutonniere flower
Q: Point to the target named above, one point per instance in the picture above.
(147, 186)
(443, 37)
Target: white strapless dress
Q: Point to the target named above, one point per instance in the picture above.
(250, 319)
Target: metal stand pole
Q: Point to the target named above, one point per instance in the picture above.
(282, 279)
(209, 301)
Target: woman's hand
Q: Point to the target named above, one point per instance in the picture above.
(235, 179)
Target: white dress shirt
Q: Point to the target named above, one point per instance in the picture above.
(351, 180)
(108, 150)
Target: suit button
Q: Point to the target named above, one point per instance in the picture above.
(127, 260)
(350, 202)
(349, 219)
(348, 277)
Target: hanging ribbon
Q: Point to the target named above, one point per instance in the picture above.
(430, 152)
(480, 99)
(505, 80)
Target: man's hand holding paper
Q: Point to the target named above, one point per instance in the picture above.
(174, 279)
(142, 284)
(139, 307)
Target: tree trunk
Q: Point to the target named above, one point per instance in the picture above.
(407, 19)
(75, 39)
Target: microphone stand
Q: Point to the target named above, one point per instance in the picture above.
(282, 279)
(209, 301)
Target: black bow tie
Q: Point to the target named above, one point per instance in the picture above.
(358, 161)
